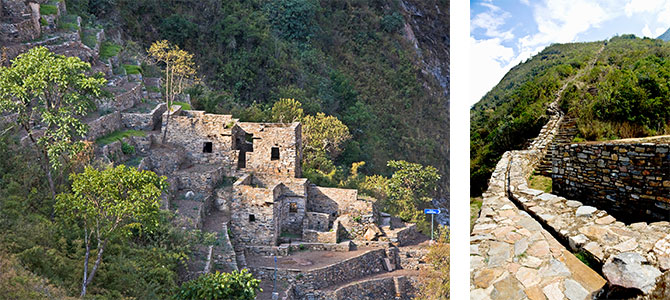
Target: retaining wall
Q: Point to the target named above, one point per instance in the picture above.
(630, 180)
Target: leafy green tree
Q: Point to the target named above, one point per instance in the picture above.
(230, 286)
(410, 189)
(324, 134)
(294, 20)
(107, 204)
(287, 110)
(47, 92)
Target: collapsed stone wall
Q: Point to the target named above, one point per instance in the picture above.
(104, 125)
(19, 22)
(630, 180)
(124, 100)
(147, 122)
(277, 148)
(336, 202)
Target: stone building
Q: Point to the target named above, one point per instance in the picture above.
(270, 203)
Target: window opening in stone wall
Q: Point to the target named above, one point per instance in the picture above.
(274, 155)
(293, 207)
(252, 218)
(207, 148)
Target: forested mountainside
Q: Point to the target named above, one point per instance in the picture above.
(616, 89)
(379, 66)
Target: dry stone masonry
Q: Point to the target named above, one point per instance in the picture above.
(520, 242)
(629, 178)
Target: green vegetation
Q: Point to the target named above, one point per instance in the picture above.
(287, 110)
(89, 39)
(43, 21)
(219, 286)
(109, 49)
(434, 280)
(107, 205)
(49, 118)
(539, 182)
(184, 105)
(48, 9)
(515, 110)
(118, 135)
(624, 95)
(343, 58)
(475, 207)
(132, 69)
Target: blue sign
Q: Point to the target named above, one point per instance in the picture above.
(430, 211)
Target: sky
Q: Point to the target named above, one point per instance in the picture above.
(505, 33)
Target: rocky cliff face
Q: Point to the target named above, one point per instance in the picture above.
(427, 29)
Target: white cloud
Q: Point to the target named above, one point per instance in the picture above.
(489, 61)
(491, 21)
(646, 31)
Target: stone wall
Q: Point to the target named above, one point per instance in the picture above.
(400, 288)
(336, 201)
(286, 138)
(148, 122)
(103, 125)
(123, 100)
(368, 263)
(629, 180)
(316, 221)
(252, 213)
(206, 137)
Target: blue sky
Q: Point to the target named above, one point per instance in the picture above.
(504, 33)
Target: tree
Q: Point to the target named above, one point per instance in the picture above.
(325, 134)
(179, 72)
(235, 286)
(410, 188)
(107, 204)
(286, 110)
(47, 92)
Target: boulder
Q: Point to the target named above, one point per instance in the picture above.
(629, 270)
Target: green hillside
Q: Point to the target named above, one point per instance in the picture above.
(624, 95)
(345, 58)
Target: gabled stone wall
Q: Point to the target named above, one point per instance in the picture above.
(629, 179)
(286, 137)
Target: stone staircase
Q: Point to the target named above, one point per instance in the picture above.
(566, 132)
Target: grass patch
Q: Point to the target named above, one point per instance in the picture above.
(475, 207)
(118, 135)
(48, 9)
(132, 69)
(539, 182)
(587, 259)
(184, 105)
(109, 49)
(43, 21)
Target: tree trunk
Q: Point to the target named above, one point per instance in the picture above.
(88, 254)
(89, 278)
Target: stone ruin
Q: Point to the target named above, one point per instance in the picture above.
(239, 181)
(523, 241)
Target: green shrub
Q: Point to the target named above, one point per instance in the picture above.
(89, 39)
(184, 105)
(43, 21)
(127, 149)
(109, 49)
(236, 285)
(392, 22)
(48, 9)
(132, 69)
